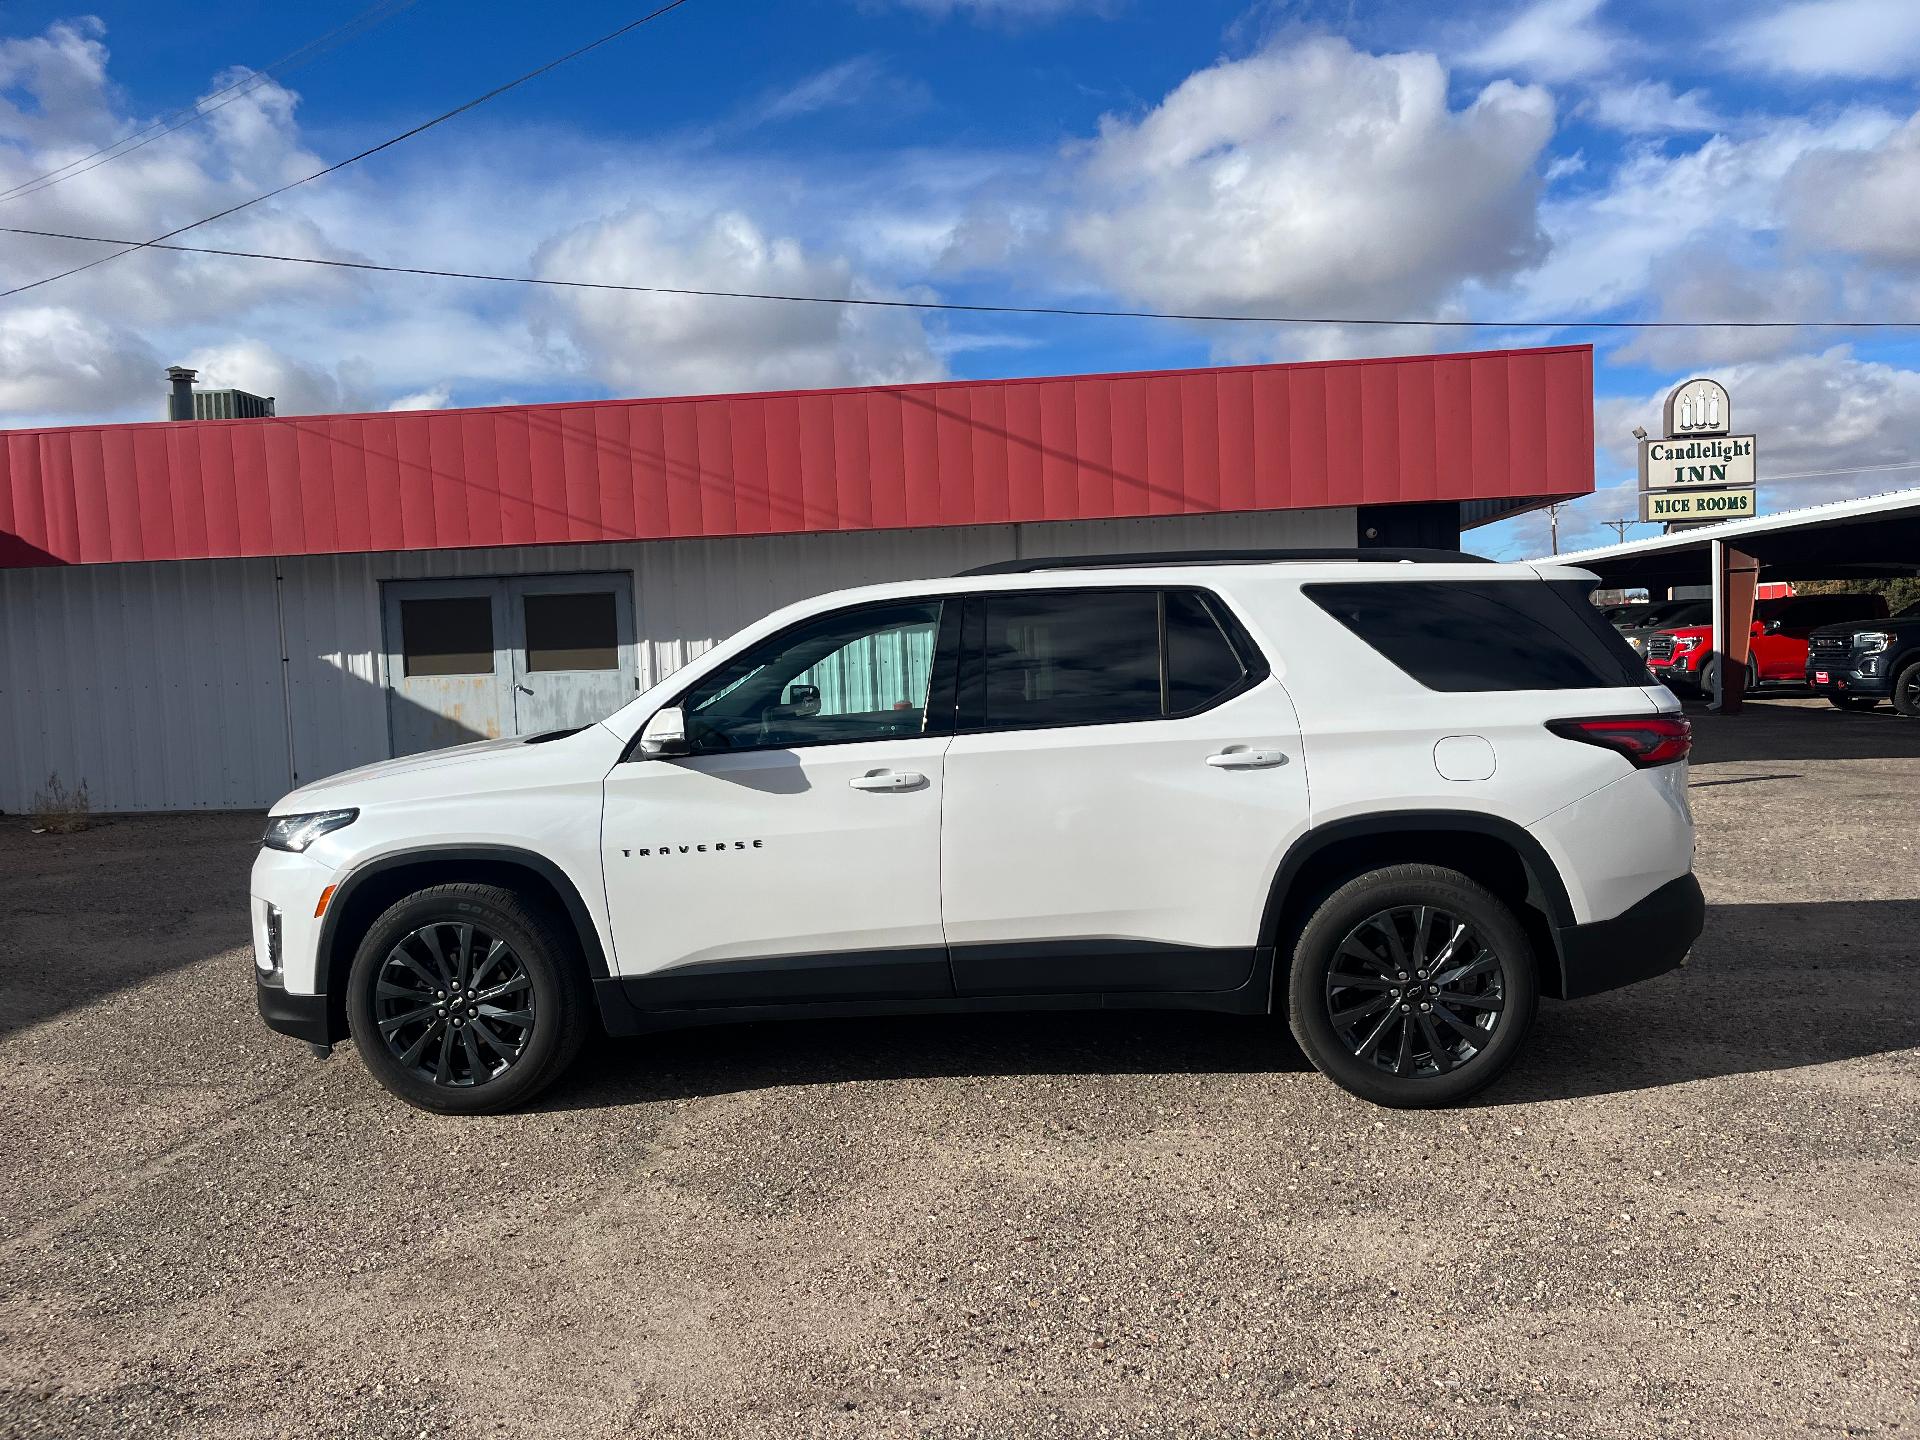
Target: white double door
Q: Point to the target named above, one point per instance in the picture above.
(480, 659)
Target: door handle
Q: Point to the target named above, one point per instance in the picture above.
(523, 689)
(889, 780)
(1244, 759)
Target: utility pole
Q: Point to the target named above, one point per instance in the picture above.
(1620, 527)
(1553, 526)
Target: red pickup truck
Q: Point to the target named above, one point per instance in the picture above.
(1777, 651)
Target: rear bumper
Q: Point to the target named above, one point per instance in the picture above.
(305, 1017)
(1647, 939)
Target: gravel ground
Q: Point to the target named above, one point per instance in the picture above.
(1690, 1209)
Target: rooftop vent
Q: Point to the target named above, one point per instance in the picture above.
(230, 405)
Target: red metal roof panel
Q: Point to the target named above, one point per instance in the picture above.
(1498, 425)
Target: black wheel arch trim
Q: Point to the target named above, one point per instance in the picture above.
(1545, 889)
(577, 913)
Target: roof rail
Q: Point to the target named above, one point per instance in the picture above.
(1377, 554)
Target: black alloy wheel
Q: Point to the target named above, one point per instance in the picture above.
(468, 998)
(1412, 985)
(1415, 990)
(454, 1004)
(1906, 691)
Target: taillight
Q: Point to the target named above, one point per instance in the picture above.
(1644, 739)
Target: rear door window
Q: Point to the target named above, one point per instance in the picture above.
(1036, 660)
(1071, 658)
(1487, 634)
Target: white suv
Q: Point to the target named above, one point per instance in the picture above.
(1394, 795)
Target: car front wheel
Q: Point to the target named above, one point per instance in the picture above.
(466, 999)
(1412, 986)
(1906, 690)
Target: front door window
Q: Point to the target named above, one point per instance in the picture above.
(857, 675)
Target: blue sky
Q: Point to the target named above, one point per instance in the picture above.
(1555, 160)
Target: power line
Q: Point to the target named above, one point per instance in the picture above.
(386, 144)
(366, 20)
(944, 305)
(1849, 470)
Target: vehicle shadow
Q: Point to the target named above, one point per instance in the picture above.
(731, 1059)
(1770, 730)
(1770, 987)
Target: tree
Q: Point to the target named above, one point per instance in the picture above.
(1899, 592)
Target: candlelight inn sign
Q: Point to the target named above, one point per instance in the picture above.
(1698, 471)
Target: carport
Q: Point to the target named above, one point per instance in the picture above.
(1871, 537)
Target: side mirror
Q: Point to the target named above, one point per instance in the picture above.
(665, 734)
(803, 700)
(1758, 629)
(1774, 627)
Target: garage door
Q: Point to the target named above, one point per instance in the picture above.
(481, 659)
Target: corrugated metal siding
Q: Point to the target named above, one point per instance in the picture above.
(1452, 427)
(160, 685)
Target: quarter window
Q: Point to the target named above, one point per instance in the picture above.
(1201, 663)
(856, 675)
(1486, 635)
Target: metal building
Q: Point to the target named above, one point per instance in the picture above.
(207, 613)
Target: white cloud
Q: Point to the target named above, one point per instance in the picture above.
(847, 83)
(1826, 412)
(55, 360)
(667, 344)
(1550, 40)
(1861, 201)
(436, 398)
(1312, 178)
(1702, 280)
(297, 387)
(1865, 39)
(320, 339)
(1651, 107)
(1618, 242)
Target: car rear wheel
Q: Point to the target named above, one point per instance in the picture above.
(466, 999)
(1906, 690)
(1412, 986)
(1853, 702)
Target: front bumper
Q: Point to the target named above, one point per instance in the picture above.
(305, 1017)
(1647, 939)
(1847, 676)
(1675, 673)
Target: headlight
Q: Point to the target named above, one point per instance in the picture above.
(297, 832)
(1871, 640)
(1686, 642)
(1638, 644)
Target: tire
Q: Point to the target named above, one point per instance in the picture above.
(1853, 702)
(1326, 1017)
(1906, 690)
(498, 1054)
